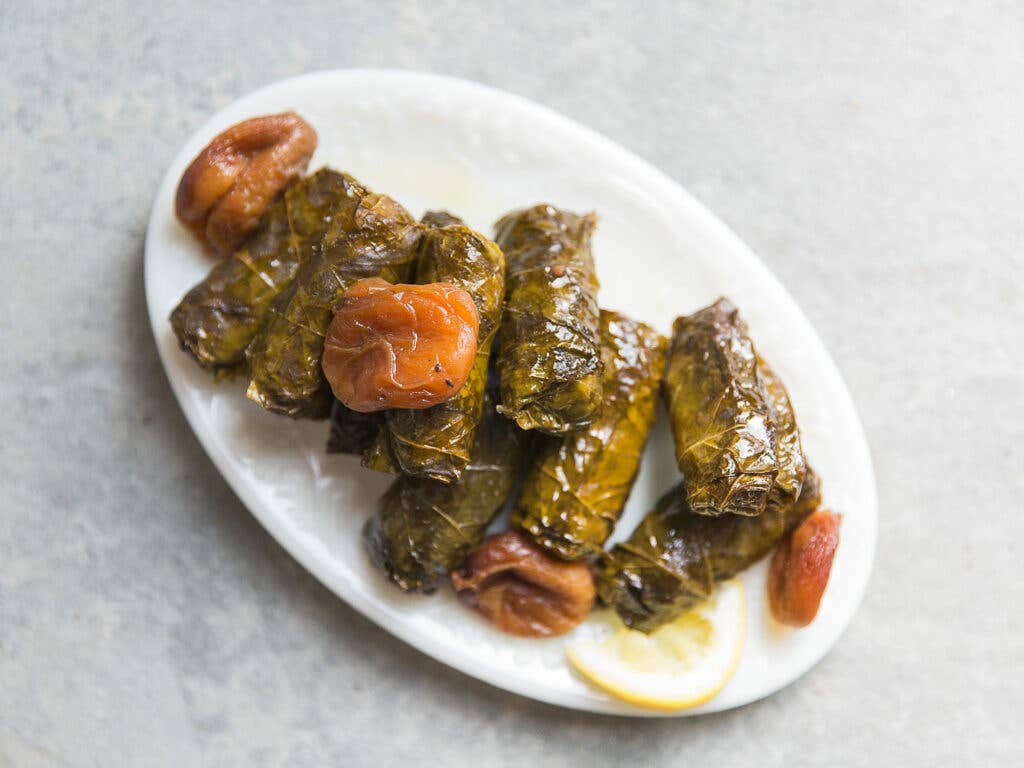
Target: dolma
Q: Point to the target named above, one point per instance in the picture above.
(549, 359)
(219, 317)
(351, 431)
(368, 236)
(674, 558)
(725, 440)
(423, 529)
(575, 486)
(435, 442)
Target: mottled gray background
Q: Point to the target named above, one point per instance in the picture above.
(872, 153)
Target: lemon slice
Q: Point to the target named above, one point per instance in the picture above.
(679, 665)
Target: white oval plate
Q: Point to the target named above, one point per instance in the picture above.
(436, 142)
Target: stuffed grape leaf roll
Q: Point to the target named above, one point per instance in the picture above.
(436, 442)
(549, 357)
(423, 529)
(219, 317)
(725, 440)
(575, 486)
(675, 557)
(369, 235)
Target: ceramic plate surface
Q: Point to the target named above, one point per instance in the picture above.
(435, 142)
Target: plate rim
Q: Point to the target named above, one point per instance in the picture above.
(319, 565)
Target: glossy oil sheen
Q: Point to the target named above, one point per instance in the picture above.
(433, 142)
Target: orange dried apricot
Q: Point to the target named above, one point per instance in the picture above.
(400, 346)
(800, 568)
(229, 185)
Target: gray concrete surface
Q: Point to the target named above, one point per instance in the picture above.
(872, 153)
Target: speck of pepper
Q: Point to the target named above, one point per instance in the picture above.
(437, 367)
(449, 383)
(558, 270)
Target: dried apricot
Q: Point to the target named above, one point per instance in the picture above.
(522, 590)
(229, 185)
(400, 346)
(800, 569)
